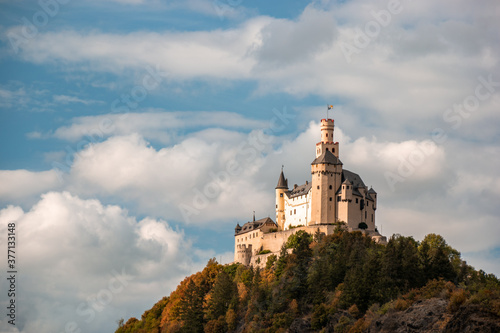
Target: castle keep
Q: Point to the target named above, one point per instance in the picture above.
(333, 195)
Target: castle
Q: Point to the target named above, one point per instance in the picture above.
(333, 195)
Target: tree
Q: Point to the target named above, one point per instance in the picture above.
(221, 296)
(191, 309)
(438, 258)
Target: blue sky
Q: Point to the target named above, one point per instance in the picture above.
(115, 115)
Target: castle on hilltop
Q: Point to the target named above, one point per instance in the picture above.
(333, 195)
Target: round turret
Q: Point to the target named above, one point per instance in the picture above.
(327, 130)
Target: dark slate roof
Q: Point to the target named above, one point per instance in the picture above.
(354, 178)
(371, 190)
(282, 181)
(254, 225)
(327, 158)
(356, 182)
(299, 190)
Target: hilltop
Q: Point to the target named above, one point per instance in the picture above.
(343, 282)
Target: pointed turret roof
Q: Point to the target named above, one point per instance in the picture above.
(371, 190)
(282, 182)
(327, 158)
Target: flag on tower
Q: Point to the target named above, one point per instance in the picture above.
(330, 107)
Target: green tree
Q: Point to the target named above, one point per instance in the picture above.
(222, 295)
(191, 309)
(438, 258)
(401, 266)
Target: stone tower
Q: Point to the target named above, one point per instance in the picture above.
(326, 171)
(326, 143)
(281, 190)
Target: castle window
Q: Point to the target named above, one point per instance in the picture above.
(318, 187)
(347, 187)
(333, 150)
(295, 211)
(330, 198)
(276, 206)
(290, 212)
(338, 198)
(281, 195)
(365, 214)
(326, 149)
(356, 200)
(330, 187)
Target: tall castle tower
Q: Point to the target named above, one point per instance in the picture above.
(281, 190)
(326, 143)
(326, 171)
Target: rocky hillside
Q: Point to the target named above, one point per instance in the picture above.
(338, 283)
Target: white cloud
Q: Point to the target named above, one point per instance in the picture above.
(24, 184)
(64, 99)
(185, 55)
(409, 73)
(284, 42)
(154, 125)
(71, 251)
(18, 96)
(160, 181)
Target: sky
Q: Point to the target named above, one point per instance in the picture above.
(135, 134)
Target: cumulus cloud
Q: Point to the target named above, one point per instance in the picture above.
(86, 264)
(190, 179)
(24, 184)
